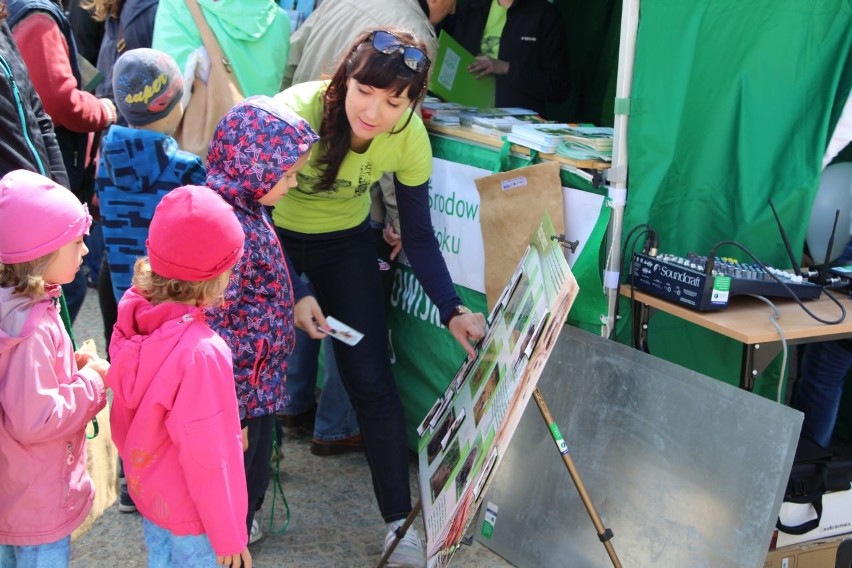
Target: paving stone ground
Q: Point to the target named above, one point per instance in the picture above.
(334, 519)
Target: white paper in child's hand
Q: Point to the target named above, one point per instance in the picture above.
(342, 332)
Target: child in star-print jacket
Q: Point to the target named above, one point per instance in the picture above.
(256, 150)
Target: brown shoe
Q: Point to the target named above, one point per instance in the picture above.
(303, 420)
(335, 447)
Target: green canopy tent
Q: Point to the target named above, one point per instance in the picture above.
(722, 105)
(732, 103)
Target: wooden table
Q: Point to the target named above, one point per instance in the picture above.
(746, 320)
(467, 133)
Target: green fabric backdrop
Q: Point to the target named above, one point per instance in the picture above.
(733, 103)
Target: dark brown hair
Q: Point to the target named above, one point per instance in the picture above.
(3, 12)
(369, 67)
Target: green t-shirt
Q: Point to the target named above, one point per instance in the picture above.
(408, 154)
(490, 45)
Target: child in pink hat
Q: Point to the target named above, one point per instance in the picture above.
(48, 393)
(174, 416)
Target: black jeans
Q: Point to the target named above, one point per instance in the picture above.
(106, 300)
(256, 462)
(345, 273)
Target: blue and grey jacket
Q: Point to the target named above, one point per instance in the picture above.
(137, 168)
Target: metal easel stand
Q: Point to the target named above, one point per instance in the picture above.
(604, 534)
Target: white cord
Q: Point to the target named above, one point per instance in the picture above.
(774, 321)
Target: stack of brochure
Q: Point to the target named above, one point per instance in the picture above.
(587, 143)
(498, 126)
(495, 121)
(469, 115)
(571, 141)
(440, 113)
(544, 137)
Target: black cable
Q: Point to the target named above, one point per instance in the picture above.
(708, 271)
(624, 270)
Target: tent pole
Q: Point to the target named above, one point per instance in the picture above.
(617, 174)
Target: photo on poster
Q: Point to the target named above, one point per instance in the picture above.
(522, 322)
(523, 353)
(464, 474)
(508, 291)
(487, 394)
(487, 361)
(454, 429)
(436, 412)
(513, 302)
(444, 470)
(434, 446)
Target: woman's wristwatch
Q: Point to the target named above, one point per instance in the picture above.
(457, 311)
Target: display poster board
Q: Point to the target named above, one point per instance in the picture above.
(466, 431)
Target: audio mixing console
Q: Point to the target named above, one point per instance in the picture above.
(682, 280)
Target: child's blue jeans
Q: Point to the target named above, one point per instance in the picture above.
(50, 555)
(166, 550)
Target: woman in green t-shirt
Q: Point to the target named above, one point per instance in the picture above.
(367, 125)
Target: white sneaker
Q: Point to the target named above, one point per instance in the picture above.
(408, 552)
(255, 534)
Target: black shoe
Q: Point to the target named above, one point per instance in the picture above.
(125, 503)
(302, 420)
(333, 448)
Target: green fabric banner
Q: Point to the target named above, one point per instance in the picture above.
(591, 303)
(733, 103)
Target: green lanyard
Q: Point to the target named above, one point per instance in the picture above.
(63, 314)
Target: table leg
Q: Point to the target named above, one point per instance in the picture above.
(755, 359)
(641, 314)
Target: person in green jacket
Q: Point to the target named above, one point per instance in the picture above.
(254, 36)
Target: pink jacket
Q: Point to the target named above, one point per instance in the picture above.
(45, 405)
(175, 422)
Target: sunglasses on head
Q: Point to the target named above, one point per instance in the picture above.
(389, 44)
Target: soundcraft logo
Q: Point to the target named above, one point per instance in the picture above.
(680, 276)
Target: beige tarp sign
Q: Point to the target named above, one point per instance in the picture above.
(511, 205)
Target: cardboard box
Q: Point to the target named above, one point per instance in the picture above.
(814, 554)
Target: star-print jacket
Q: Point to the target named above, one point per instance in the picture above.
(252, 148)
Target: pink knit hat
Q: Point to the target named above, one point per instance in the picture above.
(37, 217)
(194, 235)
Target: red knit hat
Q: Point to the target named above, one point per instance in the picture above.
(194, 235)
(37, 217)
